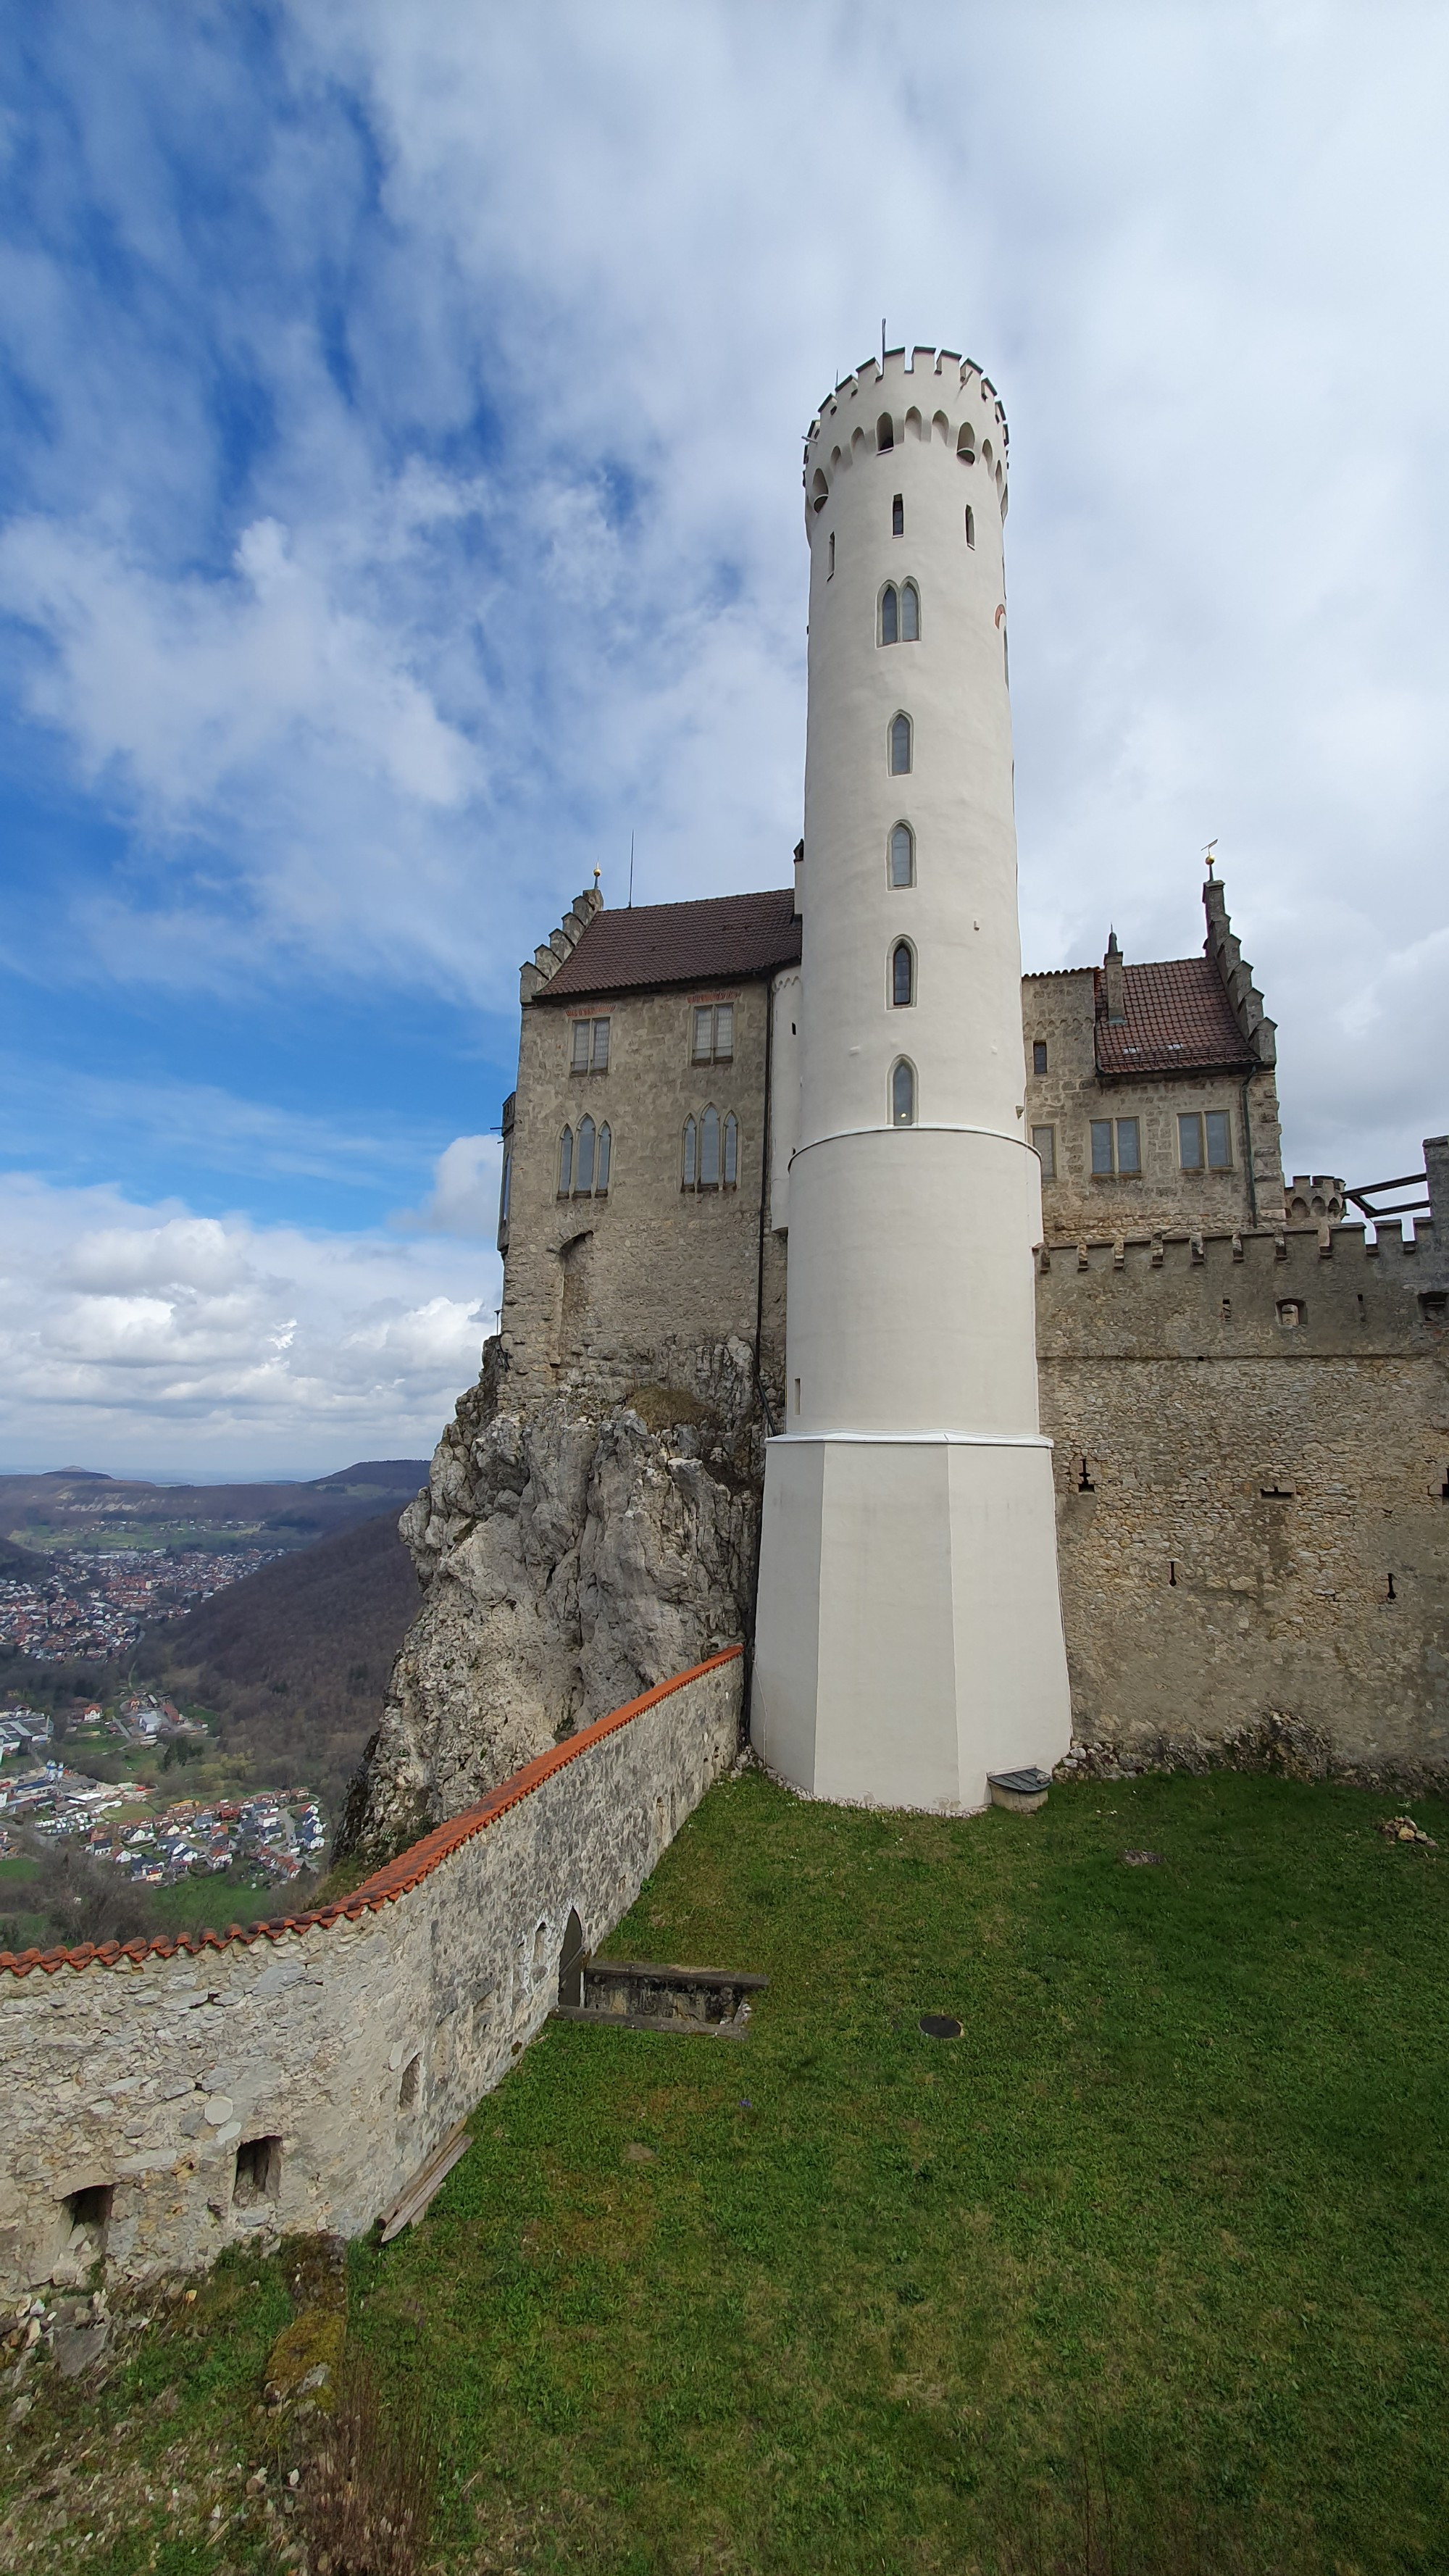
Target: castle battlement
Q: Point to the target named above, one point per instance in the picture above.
(939, 399)
(543, 965)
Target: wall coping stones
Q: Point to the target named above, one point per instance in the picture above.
(397, 1877)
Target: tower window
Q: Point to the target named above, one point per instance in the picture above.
(584, 1168)
(890, 614)
(690, 1176)
(709, 1150)
(1038, 1055)
(903, 975)
(830, 573)
(898, 515)
(900, 746)
(970, 525)
(966, 443)
(903, 1095)
(885, 436)
(903, 856)
(590, 1047)
(714, 1034)
(910, 613)
(565, 1162)
(1044, 1143)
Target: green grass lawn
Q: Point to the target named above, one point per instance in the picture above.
(1175, 2199)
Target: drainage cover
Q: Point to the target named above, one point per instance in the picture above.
(940, 2026)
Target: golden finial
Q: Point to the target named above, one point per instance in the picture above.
(1208, 855)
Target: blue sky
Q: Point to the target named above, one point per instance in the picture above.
(399, 505)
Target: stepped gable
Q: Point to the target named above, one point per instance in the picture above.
(717, 939)
(1177, 1018)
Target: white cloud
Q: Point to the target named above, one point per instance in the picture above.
(464, 1196)
(134, 1337)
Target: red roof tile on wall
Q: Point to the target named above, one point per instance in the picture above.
(1179, 1019)
(719, 940)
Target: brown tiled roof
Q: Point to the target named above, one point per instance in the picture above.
(724, 937)
(1179, 1019)
(397, 1877)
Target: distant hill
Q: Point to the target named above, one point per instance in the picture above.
(294, 1659)
(73, 1504)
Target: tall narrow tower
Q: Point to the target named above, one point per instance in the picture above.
(909, 1636)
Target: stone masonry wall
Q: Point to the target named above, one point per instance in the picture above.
(1252, 1469)
(355, 2038)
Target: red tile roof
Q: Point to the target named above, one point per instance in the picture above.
(1179, 1019)
(398, 1877)
(719, 940)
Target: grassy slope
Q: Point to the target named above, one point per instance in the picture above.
(1181, 2186)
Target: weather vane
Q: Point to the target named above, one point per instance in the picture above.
(1208, 853)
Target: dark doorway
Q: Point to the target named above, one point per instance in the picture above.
(571, 1962)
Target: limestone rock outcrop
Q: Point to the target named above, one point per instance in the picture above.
(573, 1552)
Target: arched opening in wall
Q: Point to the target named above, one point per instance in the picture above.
(941, 428)
(903, 975)
(986, 454)
(407, 2091)
(913, 423)
(819, 491)
(571, 1961)
(970, 525)
(900, 746)
(890, 614)
(540, 1947)
(834, 458)
(258, 2175)
(575, 1262)
(885, 437)
(85, 2216)
(903, 1094)
(966, 443)
(910, 613)
(902, 855)
(857, 442)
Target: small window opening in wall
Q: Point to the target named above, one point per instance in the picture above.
(1172, 1572)
(830, 571)
(571, 1961)
(903, 855)
(709, 1150)
(797, 1395)
(885, 437)
(1225, 1310)
(590, 1047)
(900, 746)
(258, 2172)
(910, 613)
(970, 526)
(966, 443)
(1204, 1141)
(1290, 1313)
(1084, 1481)
(1116, 1147)
(540, 1947)
(88, 2212)
(1276, 1493)
(1391, 1594)
(407, 2091)
(1444, 1488)
(1038, 1055)
(1044, 1143)
(714, 1034)
(890, 614)
(898, 516)
(903, 1095)
(903, 980)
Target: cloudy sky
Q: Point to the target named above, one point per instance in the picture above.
(399, 506)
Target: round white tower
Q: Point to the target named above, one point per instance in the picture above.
(909, 1635)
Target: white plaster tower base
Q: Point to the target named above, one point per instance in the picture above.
(909, 1635)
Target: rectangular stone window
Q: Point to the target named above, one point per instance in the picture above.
(590, 1047)
(1205, 1141)
(1044, 1139)
(1116, 1148)
(1038, 1055)
(714, 1034)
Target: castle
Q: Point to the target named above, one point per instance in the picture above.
(942, 1340)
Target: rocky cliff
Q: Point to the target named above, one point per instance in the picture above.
(572, 1552)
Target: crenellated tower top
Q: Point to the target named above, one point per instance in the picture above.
(938, 396)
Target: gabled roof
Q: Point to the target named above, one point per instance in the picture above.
(1179, 1019)
(721, 939)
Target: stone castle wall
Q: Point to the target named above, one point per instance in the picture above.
(353, 2040)
(1252, 1469)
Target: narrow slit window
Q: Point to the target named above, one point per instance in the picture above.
(731, 1151)
(830, 569)
(903, 976)
(1219, 1141)
(601, 1182)
(1044, 1141)
(970, 525)
(885, 437)
(903, 855)
(898, 515)
(910, 613)
(584, 1173)
(600, 1060)
(582, 1029)
(1129, 1146)
(890, 617)
(903, 1095)
(565, 1162)
(900, 747)
(1102, 1146)
(709, 1150)
(691, 1154)
(1189, 1141)
(1038, 1055)
(505, 1187)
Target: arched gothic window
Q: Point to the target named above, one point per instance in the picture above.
(601, 1181)
(903, 1094)
(890, 614)
(900, 746)
(584, 1169)
(884, 434)
(910, 613)
(565, 1162)
(903, 978)
(731, 1151)
(709, 1150)
(903, 856)
(691, 1155)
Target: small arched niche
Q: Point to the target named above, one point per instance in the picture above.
(885, 436)
(913, 423)
(966, 443)
(941, 428)
(819, 490)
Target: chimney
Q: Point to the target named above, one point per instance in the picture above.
(1116, 983)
